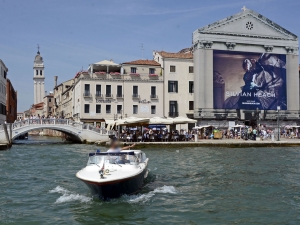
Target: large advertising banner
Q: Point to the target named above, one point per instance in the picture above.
(245, 80)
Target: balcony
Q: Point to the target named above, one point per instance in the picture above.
(108, 95)
(87, 94)
(173, 114)
(153, 96)
(136, 96)
(98, 95)
(119, 96)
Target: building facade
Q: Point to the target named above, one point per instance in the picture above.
(3, 77)
(59, 94)
(178, 89)
(11, 102)
(48, 104)
(246, 68)
(38, 78)
(110, 91)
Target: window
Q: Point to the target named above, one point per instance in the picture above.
(108, 109)
(86, 90)
(98, 108)
(108, 90)
(151, 71)
(173, 86)
(135, 91)
(172, 69)
(132, 69)
(119, 91)
(5, 73)
(135, 109)
(173, 110)
(50, 109)
(153, 109)
(153, 92)
(86, 108)
(191, 69)
(50, 100)
(98, 90)
(119, 109)
(191, 105)
(36, 72)
(41, 72)
(191, 86)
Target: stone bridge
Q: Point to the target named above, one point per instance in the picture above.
(76, 131)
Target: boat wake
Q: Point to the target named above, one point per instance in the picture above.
(142, 198)
(68, 196)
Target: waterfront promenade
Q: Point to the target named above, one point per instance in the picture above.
(231, 143)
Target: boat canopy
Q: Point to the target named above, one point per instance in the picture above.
(111, 153)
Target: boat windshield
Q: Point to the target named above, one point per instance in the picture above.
(109, 159)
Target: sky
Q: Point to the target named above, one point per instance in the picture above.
(73, 34)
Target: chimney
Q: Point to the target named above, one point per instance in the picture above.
(55, 81)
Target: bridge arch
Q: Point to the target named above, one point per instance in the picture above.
(77, 131)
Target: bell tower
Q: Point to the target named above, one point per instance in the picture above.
(38, 78)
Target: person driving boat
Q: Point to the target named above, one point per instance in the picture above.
(123, 160)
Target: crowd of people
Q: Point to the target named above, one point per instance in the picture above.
(151, 135)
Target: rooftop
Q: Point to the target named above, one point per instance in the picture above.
(183, 54)
(143, 62)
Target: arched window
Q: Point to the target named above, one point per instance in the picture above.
(36, 72)
(41, 72)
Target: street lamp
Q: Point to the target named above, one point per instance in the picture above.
(257, 118)
(278, 130)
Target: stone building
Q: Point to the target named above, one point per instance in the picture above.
(59, 94)
(11, 102)
(109, 91)
(48, 104)
(245, 68)
(178, 87)
(3, 77)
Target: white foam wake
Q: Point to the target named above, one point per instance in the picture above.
(146, 197)
(68, 196)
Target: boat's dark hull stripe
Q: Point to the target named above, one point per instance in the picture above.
(115, 189)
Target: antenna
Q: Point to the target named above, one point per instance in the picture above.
(142, 48)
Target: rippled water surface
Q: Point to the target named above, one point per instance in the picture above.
(185, 186)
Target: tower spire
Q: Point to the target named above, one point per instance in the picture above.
(38, 47)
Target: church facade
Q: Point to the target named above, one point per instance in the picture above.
(246, 67)
(38, 78)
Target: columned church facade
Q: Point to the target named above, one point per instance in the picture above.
(38, 79)
(246, 67)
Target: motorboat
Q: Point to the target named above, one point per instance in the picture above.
(111, 175)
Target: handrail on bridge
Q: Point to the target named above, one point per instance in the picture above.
(51, 122)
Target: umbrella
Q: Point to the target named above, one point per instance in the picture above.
(159, 120)
(132, 121)
(183, 120)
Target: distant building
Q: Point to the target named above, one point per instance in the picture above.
(48, 104)
(36, 110)
(38, 78)
(3, 76)
(11, 102)
(61, 97)
(20, 116)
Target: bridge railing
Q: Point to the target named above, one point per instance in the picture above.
(64, 122)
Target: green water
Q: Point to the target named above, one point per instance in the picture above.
(185, 186)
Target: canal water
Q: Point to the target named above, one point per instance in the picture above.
(185, 186)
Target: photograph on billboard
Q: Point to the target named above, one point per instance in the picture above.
(246, 80)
